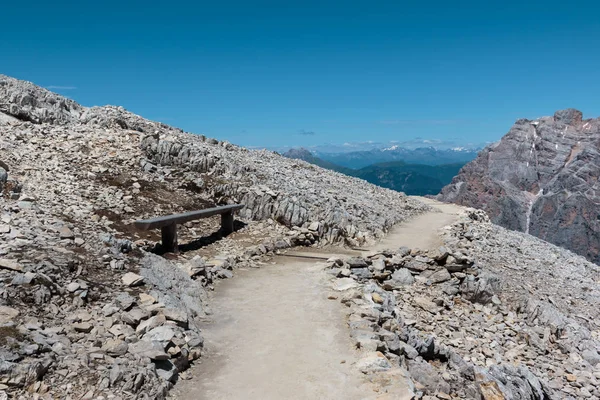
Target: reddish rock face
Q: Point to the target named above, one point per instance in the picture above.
(541, 178)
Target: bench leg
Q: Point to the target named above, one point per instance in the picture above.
(169, 238)
(227, 223)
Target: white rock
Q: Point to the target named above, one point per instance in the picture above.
(132, 279)
(12, 265)
(344, 284)
(7, 314)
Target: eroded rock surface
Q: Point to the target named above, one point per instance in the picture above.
(540, 178)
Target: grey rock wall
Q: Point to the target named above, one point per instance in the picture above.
(541, 178)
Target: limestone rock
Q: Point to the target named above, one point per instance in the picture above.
(401, 277)
(525, 181)
(84, 327)
(12, 265)
(65, 233)
(145, 348)
(132, 279)
(427, 304)
(115, 347)
(7, 314)
(372, 363)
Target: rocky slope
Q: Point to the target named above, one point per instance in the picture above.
(86, 310)
(541, 178)
(493, 314)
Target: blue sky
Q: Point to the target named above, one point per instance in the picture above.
(304, 73)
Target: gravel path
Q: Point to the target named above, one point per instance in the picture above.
(420, 232)
(275, 335)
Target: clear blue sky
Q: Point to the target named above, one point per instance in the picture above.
(309, 72)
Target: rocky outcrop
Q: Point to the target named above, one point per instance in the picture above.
(292, 192)
(541, 178)
(28, 102)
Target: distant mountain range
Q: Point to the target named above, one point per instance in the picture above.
(420, 155)
(405, 145)
(412, 179)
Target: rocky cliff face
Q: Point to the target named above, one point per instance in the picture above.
(541, 178)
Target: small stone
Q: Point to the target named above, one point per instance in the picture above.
(115, 347)
(490, 391)
(134, 316)
(84, 327)
(150, 324)
(571, 378)
(166, 370)
(174, 351)
(426, 304)
(585, 393)
(344, 284)
(132, 279)
(178, 316)
(72, 287)
(27, 278)
(378, 265)
(401, 277)
(357, 263)
(376, 362)
(591, 356)
(7, 314)
(146, 299)
(10, 264)
(377, 298)
(409, 351)
(417, 266)
(145, 348)
(439, 276)
(66, 233)
(162, 334)
(119, 330)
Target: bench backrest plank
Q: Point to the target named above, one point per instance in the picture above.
(160, 222)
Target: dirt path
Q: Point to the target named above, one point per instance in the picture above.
(275, 335)
(420, 232)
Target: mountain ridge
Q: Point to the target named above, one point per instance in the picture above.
(420, 155)
(540, 178)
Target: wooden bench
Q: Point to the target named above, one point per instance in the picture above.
(168, 223)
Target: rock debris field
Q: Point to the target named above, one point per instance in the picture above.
(90, 308)
(87, 307)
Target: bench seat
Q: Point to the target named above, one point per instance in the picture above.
(168, 223)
